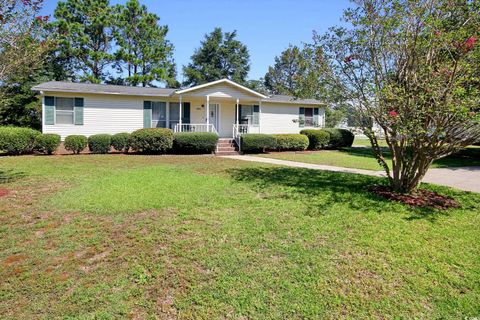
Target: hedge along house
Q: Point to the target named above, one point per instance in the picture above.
(224, 107)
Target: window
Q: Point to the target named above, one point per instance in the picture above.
(174, 114)
(64, 110)
(308, 117)
(159, 114)
(248, 114)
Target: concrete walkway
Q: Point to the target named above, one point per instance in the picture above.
(463, 178)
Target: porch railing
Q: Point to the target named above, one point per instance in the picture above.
(238, 130)
(195, 127)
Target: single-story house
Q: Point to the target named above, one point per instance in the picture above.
(224, 107)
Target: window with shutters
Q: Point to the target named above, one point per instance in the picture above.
(309, 117)
(64, 110)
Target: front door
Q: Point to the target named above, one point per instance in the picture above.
(213, 114)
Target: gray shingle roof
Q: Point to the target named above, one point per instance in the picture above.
(101, 88)
(290, 99)
(61, 86)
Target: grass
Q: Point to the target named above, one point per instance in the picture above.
(361, 157)
(108, 237)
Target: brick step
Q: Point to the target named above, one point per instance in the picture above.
(226, 145)
(227, 153)
(227, 149)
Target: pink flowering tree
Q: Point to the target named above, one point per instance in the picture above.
(21, 34)
(411, 68)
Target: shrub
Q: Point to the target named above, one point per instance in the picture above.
(153, 140)
(195, 142)
(317, 139)
(120, 141)
(47, 142)
(75, 143)
(291, 142)
(15, 140)
(340, 138)
(99, 143)
(257, 142)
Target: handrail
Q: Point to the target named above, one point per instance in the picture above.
(238, 130)
(194, 127)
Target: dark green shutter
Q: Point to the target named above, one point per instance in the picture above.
(239, 113)
(186, 112)
(315, 117)
(256, 115)
(49, 110)
(147, 114)
(78, 111)
(301, 117)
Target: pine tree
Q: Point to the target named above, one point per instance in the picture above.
(144, 53)
(221, 55)
(83, 31)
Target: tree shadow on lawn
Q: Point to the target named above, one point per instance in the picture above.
(10, 175)
(364, 152)
(321, 189)
(467, 157)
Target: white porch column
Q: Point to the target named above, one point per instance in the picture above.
(260, 116)
(207, 110)
(180, 114)
(238, 116)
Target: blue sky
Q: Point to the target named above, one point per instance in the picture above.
(267, 27)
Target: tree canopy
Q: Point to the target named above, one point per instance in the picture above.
(83, 31)
(303, 72)
(143, 50)
(412, 67)
(220, 55)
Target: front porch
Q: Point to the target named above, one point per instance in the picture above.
(224, 108)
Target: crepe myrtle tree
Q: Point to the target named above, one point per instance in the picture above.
(22, 42)
(411, 67)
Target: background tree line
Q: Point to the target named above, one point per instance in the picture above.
(93, 41)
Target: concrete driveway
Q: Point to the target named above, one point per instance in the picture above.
(463, 178)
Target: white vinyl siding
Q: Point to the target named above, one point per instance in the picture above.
(103, 114)
(282, 118)
(113, 114)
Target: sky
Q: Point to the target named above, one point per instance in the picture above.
(266, 27)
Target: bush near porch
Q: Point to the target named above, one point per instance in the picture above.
(152, 140)
(318, 139)
(195, 142)
(331, 138)
(258, 142)
(340, 138)
(291, 142)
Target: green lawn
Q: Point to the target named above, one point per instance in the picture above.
(362, 158)
(115, 236)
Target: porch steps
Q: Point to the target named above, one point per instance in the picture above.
(226, 147)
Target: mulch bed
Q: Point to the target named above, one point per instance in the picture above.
(421, 198)
(3, 192)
